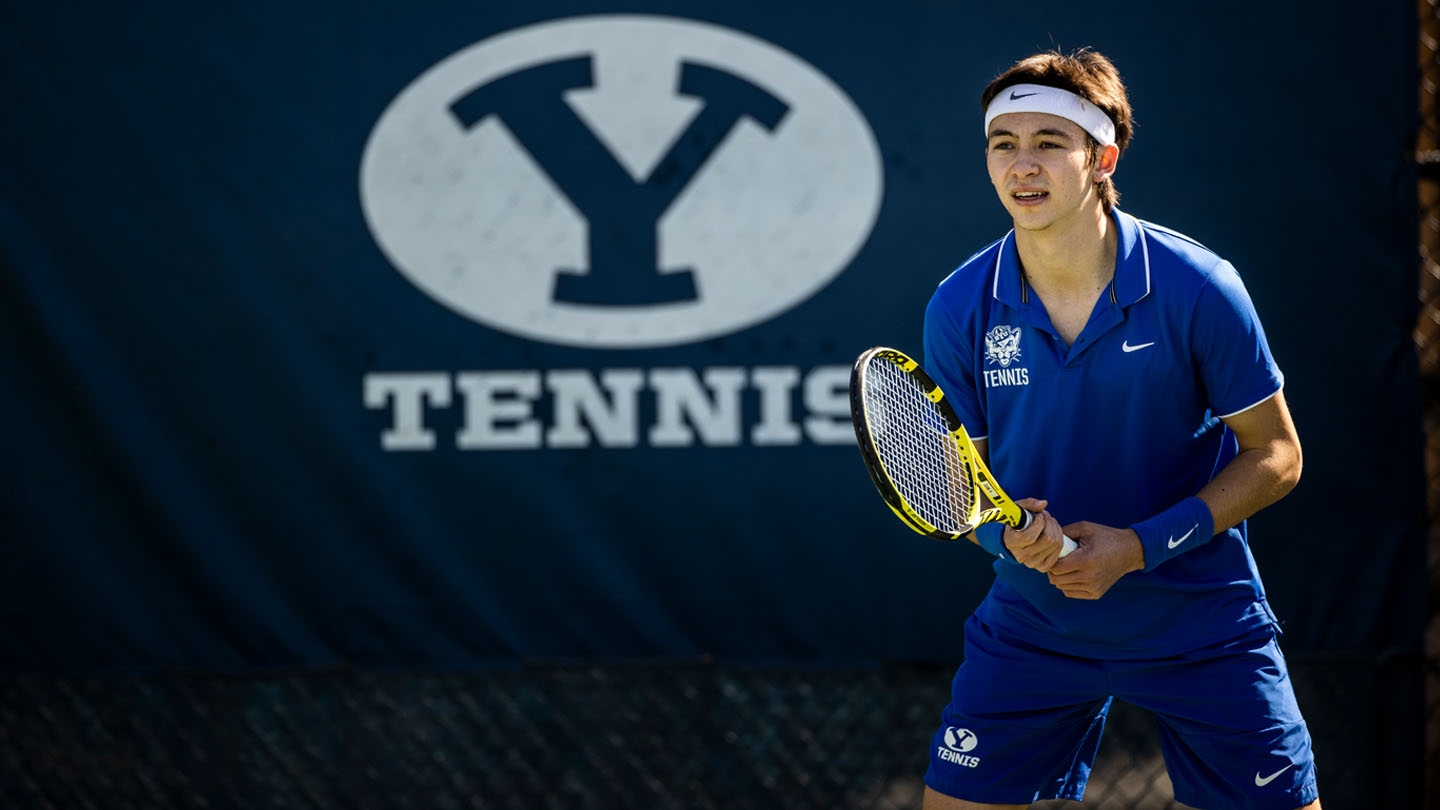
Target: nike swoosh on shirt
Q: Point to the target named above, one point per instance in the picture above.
(1127, 348)
(1173, 542)
(1262, 781)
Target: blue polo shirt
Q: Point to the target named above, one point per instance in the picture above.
(1113, 429)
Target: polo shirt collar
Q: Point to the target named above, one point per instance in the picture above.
(1132, 266)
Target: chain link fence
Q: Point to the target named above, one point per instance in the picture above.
(1427, 341)
(671, 737)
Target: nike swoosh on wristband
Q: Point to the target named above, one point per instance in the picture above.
(1172, 543)
(1127, 348)
(1262, 781)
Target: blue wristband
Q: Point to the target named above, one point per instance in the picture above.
(991, 537)
(1186, 525)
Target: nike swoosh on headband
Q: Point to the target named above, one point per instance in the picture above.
(1040, 98)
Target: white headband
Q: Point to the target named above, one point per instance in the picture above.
(1039, 98)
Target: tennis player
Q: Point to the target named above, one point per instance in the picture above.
(1116, 372)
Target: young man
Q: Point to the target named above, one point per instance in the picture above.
(1116, 372)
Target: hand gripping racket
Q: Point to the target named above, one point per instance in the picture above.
(919, 455)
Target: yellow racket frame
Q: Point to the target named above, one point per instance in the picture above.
(1002, 508)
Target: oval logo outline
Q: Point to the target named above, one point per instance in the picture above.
(771, 217)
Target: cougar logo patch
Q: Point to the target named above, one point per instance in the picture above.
(1002, 345)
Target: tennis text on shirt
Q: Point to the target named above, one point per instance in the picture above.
(1002, 357)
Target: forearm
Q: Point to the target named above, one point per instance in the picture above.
(1254, 479)
(1266, 467)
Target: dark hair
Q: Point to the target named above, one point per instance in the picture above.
(1087, 74)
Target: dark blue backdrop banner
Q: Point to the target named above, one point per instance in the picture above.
(440, 334)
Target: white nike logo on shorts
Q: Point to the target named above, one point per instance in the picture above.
(1262, 781)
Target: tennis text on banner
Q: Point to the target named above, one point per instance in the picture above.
(524, 409)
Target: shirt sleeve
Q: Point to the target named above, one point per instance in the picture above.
(1231, 352)
(949, 359)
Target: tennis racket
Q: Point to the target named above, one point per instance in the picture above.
(918, 454)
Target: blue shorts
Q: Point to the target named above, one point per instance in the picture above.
(1024, 724)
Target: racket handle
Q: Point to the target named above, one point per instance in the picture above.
(1066, 546)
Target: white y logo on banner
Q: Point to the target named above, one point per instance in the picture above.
(621, 181)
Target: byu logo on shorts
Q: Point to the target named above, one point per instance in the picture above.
(958, 743)
(960, 739)
(621, 181)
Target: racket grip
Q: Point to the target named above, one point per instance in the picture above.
(1067, 545)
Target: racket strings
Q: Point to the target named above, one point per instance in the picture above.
(914, 444)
